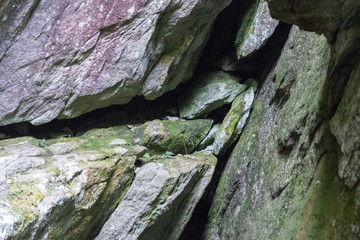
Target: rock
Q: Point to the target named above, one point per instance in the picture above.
(323, 16)
(256, 29)
(161, 199)
(210, 92)
(61, 189)
(173, 136)
(234, 121)
(345, 125)
(209, 139)
(269, 189)
(65, 59)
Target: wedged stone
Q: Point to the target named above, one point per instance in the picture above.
(63, 188)
(256, 29)
(175, 136)
(234, 120)
(63, 59)
(209, 139)
(210, 91)
(161, 199)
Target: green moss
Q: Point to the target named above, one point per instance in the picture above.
(330, 210)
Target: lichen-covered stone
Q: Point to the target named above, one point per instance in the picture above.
(281, 180)
(174, 136)
(255, 30)
(209, 92)
(63, 59)
(63, 188)
(161, 199)
(234, 121)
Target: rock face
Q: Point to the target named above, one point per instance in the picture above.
(161, 198)
(281, 179)
(210, 91)
(256, 28)
(65, 59)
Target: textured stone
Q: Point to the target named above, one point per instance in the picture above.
(173, 136)
(346, 127)
(161, 199)
(209, 139)
(255, 30)
(234, 121)
(65, 59)
(209, 92)
(281, 180)
(322, 16)
(61, 189)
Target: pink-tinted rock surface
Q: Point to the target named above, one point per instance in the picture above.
(65, 58)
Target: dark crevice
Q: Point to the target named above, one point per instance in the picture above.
(196, 226)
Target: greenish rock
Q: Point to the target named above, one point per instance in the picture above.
(281, 180)
(62, 188)
(345, 125)
(256, 28)
(234, 121)
(210, 91)
(161, 199)
(174, 136)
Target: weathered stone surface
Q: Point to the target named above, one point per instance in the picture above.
(65, 59)
(209, 92)
(234, 121)
(346, 127)
(322, 16)
(61, 189)
(209, 139)
(257, 27)
(173, 136)
(161, 199)
(281, 180)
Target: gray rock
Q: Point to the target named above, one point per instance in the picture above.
(61, 189)
(65, 59)
(234, 121)
(210, 91)
(209, 139)
(161, 199)
(255, 31)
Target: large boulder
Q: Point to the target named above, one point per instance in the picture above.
(64, 188)
(63, 59)
(209, 92)
(281, 181)
(161, 199)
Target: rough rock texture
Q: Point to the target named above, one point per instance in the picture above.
(64, 189)
(323, 16)
(234, 121)
(281, 180)
(177, 136)
(161, 199)
(209, 139)
(65, 59)
(346, 127)
(255, 30)
(209, 92)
